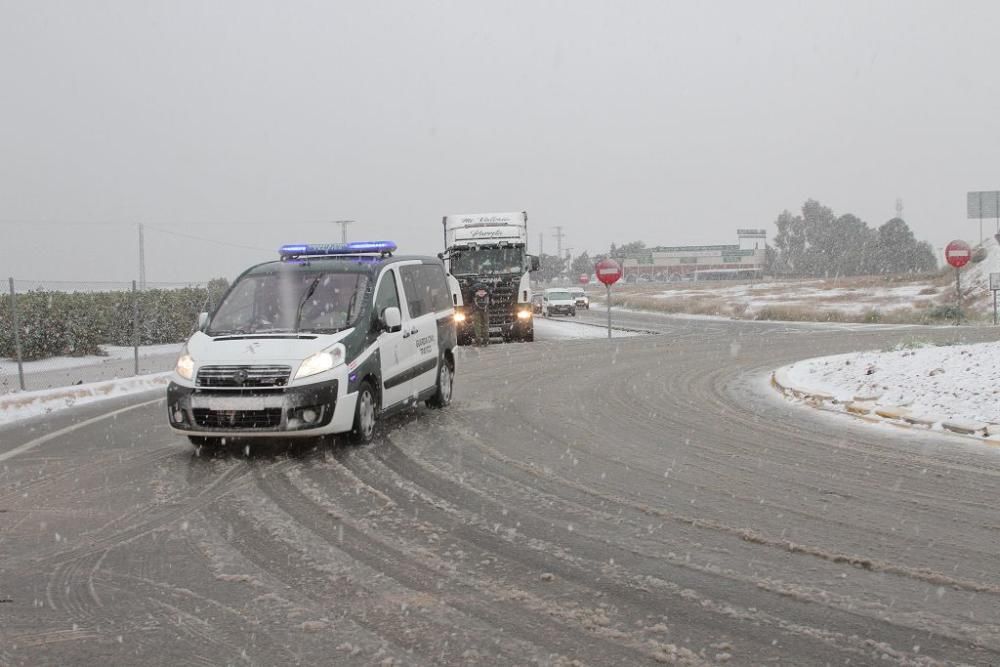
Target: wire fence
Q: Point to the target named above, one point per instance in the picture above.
(59, 333)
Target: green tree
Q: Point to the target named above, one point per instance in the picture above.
(582, 264)
(822, 245)
(900, 252)
(550, 267)
(216, 289)
(789, 243)
(819, 243)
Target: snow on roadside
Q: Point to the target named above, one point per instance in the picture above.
(111, 353)
(550, 328)
(956, 382)
(28, 404)
(979, 274)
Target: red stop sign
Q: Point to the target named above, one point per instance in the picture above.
(958, 253)
(608, 271)
(584, 279)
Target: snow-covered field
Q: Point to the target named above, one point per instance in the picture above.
(957, 382)
(887, 299)
(821, 295)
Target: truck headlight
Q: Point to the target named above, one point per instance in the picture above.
(524, 314)
(459, 316)
(185, 365)
(321, 361)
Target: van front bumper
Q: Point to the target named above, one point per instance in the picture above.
(307, 410)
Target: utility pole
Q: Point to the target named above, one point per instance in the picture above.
(142, 259)
(559, 237)
(343, 228)
(541, 244)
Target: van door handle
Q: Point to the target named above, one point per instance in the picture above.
(406, 334)
(414, 330)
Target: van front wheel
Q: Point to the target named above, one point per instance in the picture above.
(365, 415)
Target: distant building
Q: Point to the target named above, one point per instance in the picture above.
(744, 260)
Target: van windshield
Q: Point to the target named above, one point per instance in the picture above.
(290, 302)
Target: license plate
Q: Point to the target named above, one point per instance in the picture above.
(227, 403)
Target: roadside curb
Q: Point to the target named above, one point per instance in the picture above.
(866, 408)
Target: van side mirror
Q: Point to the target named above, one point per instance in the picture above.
(202, 321)
(533, 264)
(391, 319)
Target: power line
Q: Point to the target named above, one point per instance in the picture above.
(207, 240)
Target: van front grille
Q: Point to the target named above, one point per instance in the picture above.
(243, 376)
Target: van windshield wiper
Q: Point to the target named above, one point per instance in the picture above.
(302, 303)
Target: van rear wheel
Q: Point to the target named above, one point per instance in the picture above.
(445, 385)
(365, 415)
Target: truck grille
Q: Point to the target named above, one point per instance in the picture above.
(243, 376)
(267, 418)
(503, 300)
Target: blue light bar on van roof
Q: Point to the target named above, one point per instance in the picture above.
(324, 249)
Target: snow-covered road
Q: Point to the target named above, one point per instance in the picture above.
(634, 502)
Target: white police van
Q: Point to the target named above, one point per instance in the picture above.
(327, 339)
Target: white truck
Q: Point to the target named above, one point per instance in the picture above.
(488, 252)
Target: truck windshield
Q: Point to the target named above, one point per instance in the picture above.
(558, 296)
(488, 260)
(289, 302)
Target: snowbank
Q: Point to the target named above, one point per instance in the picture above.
(111, 353)
(979, 274)
(28, 404)
(958, 382)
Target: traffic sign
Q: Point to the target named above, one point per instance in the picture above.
(584, 279)
(958, 253)
(608, 271)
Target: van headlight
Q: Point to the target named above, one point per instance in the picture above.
(185, 365)
(322, 361)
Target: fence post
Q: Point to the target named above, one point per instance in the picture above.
(17, 336)
(135, 326)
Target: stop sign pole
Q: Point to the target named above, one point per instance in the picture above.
(958, 253)
(608, 272)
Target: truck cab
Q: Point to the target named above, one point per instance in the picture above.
(488, 251)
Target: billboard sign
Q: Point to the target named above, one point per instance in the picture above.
(984, 204)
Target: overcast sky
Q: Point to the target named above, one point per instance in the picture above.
(249, 124)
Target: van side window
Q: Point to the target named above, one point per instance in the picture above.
(437, 286)
(387, 295)
(416, 299)
(426, 288)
